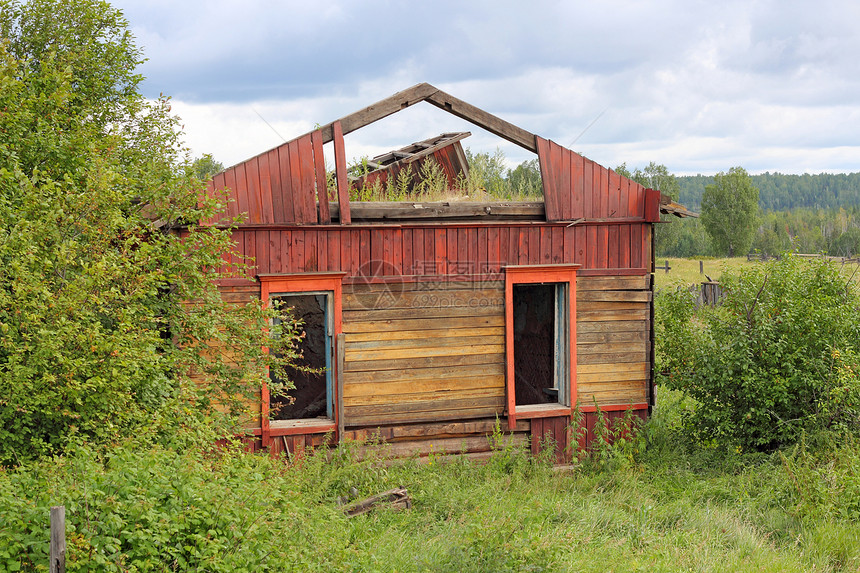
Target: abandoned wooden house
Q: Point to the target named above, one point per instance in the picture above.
(435, 321)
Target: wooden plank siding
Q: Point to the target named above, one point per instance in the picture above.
(433, 353)
(613, 340)
(421, 252)
(575, 187)
(280, 186)
(419, 352)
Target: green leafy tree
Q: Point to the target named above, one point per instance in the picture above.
(206, 166)
(730, 211)
(107, 298)
(525, 180)
(486, 174)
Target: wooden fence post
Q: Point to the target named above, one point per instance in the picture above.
(667, 265)
(58, 539)
(701, 267)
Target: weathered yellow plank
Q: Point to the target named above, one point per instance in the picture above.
(614, 295)
(610, 305)
(619, 386)
(423, 324)
(430, 333)
(438, 373)
(607, 337)
(611, 347)
(621, 397)
(612, 326)
(642, 367)
(424, 362)
(357, 419)
(608, 377)
(612, 357)
(411, 386)
(604, 315)
(442, 342)
(436, 406)
(368, 315)
(364, 355)
(429, 397)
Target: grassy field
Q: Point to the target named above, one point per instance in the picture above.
(648, 505)
(686, 271)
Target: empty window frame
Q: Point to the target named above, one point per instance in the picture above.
(316, 299)
(313, 394)
(540, 338)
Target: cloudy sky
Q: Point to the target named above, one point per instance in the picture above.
(700, 86)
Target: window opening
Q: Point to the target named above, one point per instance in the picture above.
(312, 395)
(540, 343)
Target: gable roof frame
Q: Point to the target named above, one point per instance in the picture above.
(287, 184)
(434, 96)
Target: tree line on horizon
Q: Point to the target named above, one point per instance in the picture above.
(801, 213)
(783, 191)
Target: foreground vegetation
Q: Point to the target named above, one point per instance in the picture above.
(649, 504)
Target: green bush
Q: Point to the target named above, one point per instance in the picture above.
(138, 508)
(780, 355)
(99, 250)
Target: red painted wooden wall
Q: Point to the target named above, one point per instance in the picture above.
(370, 252)
(575, 187)
(278, 187)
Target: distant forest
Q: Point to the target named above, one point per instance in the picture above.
(779, 192)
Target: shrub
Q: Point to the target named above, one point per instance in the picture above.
(96, 338)
(780, 355)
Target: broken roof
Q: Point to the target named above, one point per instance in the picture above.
(287, 184)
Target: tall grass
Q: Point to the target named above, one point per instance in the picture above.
(674, 508)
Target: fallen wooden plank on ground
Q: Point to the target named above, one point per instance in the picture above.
(397, 498)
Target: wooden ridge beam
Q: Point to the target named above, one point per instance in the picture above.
(379, 110)
(481, 118)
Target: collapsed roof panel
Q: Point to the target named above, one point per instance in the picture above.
(445, 149)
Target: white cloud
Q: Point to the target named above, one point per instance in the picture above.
(699, 86)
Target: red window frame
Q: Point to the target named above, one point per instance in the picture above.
(299, 283)
(532, 274)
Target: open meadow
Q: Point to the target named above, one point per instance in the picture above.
(687, 271)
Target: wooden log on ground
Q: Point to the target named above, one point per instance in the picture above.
(397, 498)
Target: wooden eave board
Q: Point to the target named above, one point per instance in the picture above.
(672, 208)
